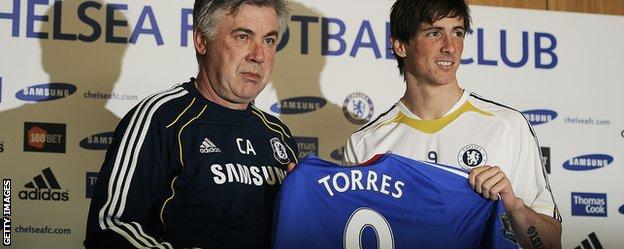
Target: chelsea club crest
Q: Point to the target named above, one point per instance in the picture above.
(471, 156)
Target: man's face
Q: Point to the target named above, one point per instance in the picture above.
(433, 55)
(239, 59)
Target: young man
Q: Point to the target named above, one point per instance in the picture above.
(198, 165)
(438, 121)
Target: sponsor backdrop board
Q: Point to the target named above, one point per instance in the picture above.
(69, 71)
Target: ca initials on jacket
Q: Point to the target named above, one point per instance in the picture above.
(245, 147)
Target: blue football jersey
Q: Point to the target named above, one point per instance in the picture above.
(391, 202)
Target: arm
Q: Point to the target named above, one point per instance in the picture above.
(129, 187)
(533, 230)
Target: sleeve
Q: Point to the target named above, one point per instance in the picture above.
(530, 182)
(130, 185)
(349, 157)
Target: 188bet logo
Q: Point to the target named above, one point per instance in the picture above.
(358, 108)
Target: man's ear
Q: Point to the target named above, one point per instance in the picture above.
(399, 47)
(199, 40)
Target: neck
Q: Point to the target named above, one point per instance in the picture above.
(431, 101)
(203, 85)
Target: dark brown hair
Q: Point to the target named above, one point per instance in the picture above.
(406, 17)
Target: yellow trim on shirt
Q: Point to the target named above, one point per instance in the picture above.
(181, 129)
(435, 125)
(182, 113)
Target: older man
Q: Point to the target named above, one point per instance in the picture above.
(198, 165)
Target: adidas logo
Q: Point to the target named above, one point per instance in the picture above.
(41, 188)
(594, 241)
(208, 146)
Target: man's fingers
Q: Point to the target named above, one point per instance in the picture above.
(473, 174)
(483, 176)
(492, 187)
(290, 167)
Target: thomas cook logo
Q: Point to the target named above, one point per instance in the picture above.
(298, 105)
(539, 116)
(588, 162)
(358, 108)
(279, 151)
(44, 137)
(44, 187)
(589, 204)
(472, 155)
(99, 141)
(46, 92)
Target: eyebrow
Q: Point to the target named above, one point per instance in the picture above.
(441, 28)
(251, 32)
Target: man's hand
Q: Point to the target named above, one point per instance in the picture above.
(490, 182)
(290, 167)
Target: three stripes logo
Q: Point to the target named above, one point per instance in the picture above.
(585, 244)
(208, 146)
(44, 187)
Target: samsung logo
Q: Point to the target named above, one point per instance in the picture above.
(539, 116)
(588, 162)
(99, 141)
(45, 92)
(298, 105)
(589, 204)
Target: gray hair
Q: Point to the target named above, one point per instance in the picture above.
(208, 13)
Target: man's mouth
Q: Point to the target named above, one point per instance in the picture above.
(251, 76)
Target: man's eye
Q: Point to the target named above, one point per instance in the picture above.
(242, 37)
(270, 41)
(433, 33)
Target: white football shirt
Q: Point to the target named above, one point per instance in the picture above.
(475, 132)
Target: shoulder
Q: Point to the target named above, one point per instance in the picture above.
(509, 115)
(372, 126)
(161, 105)
(270, 121)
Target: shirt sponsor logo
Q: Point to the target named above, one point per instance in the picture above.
(208, 146)
(588, 162)
(250, 175)
(44, 187)
(91, 178)
(307, 146)
(358, 108)
(471, 156)
(99, 141)
(44, 137)
(337, 154)
(539, 116)
(46, 92)
(279, 151)
(589, 204)
(298, 105)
